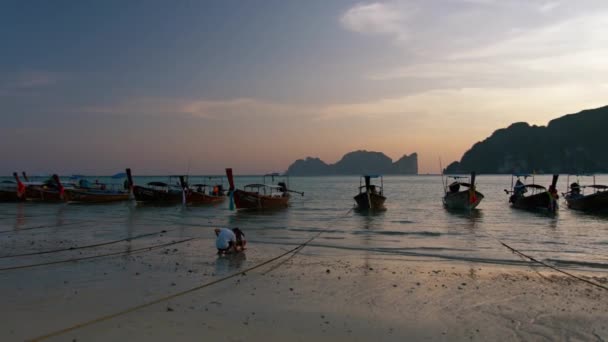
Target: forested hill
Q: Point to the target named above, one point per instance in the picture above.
(574, 143)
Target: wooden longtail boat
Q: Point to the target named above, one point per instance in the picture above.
(203, 194)
(539, 198)
(8, 191)
(156, 192)
(260, 196)
(49, 191)
(597, 200)
(85, 192)
(466, 199)
(370, 197)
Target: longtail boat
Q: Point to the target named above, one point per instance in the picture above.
(532, 196)
(260, 196)
(86, 192)
(596, 200)
(50, 190)
(156, 192)
(202, 193)
(370, 197)
(9, 191)
(466, 199)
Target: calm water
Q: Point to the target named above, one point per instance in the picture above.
(415, 225)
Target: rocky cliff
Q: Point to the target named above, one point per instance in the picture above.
(355, 163)
(575, 143)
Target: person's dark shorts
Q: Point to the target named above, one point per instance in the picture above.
(226, 250)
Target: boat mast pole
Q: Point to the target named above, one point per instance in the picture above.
(443, 183)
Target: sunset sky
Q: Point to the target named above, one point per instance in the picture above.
(92, 87)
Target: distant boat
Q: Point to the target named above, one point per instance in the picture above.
(532, 196)
(576, 198)
(86, 192)
(156, 192)
(370, 197)
(202, 193)
(466, 199)
(9, 191)
(50, 190)
(260, 196)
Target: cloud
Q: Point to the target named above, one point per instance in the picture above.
(219, 110)
(376, 18)
(549, 6)
(487, 107)
(26, 82)
(522, 43)
(576, 34)
(32, 79)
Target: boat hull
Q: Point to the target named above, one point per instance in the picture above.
(87, 196)
(147, 195)
(252, 200)
(43, 194)
(199, 198)
(375, 200)
(462, 200)
(593, 202)
(541, 201)
(9, 196)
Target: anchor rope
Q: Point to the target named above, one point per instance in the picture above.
(85, 246)
(133, 251)
(294, 250)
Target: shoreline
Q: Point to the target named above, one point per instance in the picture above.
(360, 296)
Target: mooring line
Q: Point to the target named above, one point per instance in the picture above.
(133, 251)
(85, 246)
(553, 267)
(44, 226)
(294, 250)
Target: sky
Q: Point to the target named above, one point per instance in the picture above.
(165, 87)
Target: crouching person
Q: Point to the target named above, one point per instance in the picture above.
(225, 241)
(240, 239)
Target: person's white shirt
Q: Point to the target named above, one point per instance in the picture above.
(224, 237)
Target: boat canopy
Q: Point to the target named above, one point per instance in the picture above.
(371, 176)
(274, 174)
(597, 186)
(525, 175)
(263, 186)
(535, 186)
(468, 185)
(157, 184)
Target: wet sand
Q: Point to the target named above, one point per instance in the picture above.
(357, 296)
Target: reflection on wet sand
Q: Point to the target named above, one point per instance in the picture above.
(227, 264)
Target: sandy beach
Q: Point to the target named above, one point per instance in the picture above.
(359, 296)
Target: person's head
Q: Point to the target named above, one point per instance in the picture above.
(239, 233)
(217, 231)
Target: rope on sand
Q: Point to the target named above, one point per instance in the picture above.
(133, 251)
(85, 246)
(553, 267)
(294, 250)
(45, 226)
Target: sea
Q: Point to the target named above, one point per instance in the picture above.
(415, 225)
